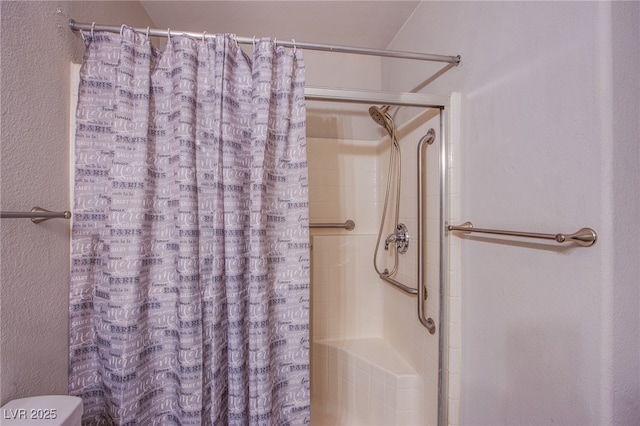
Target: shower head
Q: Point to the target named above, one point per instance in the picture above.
(381, 117)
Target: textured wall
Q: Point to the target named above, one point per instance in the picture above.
(37, 49)
(549, 125)
(624, 108)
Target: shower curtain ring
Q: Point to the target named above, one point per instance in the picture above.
(147, 32)
(122, 29)
(168, 34)
(93, 26)
(295, 48)
(254, 42)
(204, 35)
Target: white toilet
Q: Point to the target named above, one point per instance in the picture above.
(50, 410)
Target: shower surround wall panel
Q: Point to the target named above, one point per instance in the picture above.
(345, 301)
(347, 296)
(342, 182)
(355, 372)
(359, 322)
(342, 176)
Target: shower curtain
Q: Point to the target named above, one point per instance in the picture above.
(189, 300)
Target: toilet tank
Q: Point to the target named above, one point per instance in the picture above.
(50, 410)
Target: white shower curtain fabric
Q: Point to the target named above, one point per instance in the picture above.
(189, 299)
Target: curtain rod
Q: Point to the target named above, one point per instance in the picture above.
(77, 26)
(37, 215)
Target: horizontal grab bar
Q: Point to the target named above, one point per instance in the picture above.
(405, 288)
(348, 225)
(37, 215)
(585, 237)
(402, 287)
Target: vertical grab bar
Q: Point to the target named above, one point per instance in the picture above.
(427, 322)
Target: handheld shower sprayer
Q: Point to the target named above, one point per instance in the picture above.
(378, 114)
(400, 238)
(382, 117)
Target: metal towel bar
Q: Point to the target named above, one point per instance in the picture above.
(348, 225)
(37, 215)
(585, 237)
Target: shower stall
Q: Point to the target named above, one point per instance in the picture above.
(374, 359)
(384, 346)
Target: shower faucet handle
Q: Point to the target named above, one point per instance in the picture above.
(400, 238)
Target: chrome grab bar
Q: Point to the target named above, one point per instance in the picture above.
(585, 237)
(37, 215)
(421, 291)
(409, 290)
(349, 225)
(427, 322)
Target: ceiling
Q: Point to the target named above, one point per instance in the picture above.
(370, 24)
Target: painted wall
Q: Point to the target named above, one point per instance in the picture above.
(36, 51)
(548, 143)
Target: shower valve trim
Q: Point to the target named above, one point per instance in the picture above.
(400, 238)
